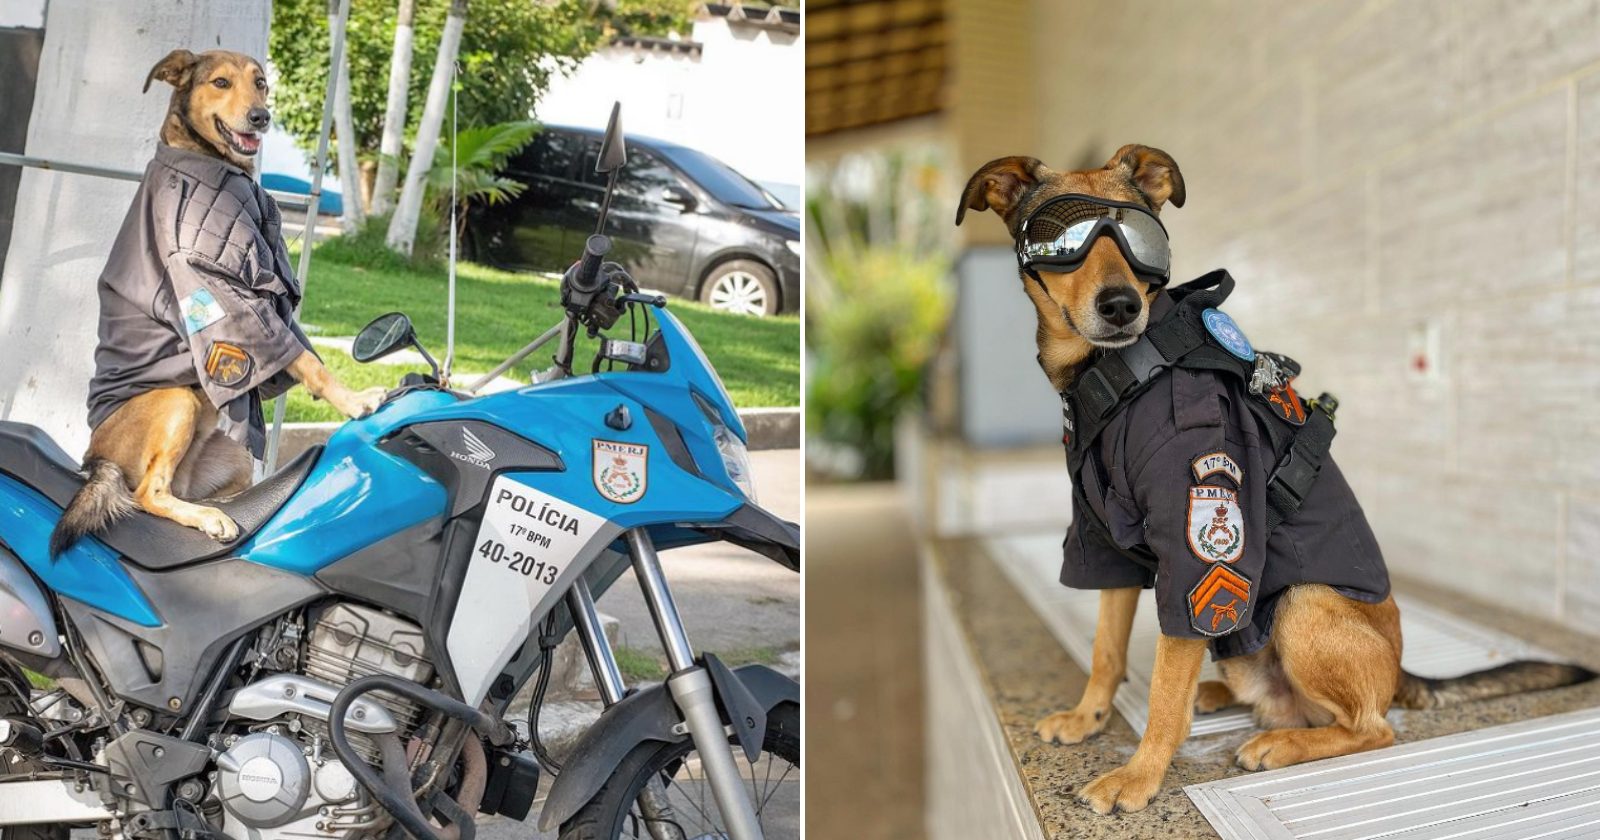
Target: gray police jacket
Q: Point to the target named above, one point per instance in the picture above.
(1179, 481)
(198, 291)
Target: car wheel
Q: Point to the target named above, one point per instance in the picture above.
(743, 286)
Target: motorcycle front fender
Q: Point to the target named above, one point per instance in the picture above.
(644, 717)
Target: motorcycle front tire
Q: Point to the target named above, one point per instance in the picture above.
(607, 814)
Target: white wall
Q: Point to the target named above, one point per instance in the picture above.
(87, 108)
(26, 14)
(742, 100)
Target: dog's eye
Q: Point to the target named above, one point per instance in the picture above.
(261, 84)
(221, 82)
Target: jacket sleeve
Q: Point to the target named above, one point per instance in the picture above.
(239, 337)
(1202, 496)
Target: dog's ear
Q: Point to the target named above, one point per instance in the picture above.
(174, 69)
(999, 184)
(1152, 171)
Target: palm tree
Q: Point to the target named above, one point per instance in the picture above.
(394, 112)
(480, 153)
(403, 225)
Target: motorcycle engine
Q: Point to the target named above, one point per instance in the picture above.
(282, 779)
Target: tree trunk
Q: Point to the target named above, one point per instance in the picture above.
(403, 226)
(87, 108)
(344, 129)
(394, 112)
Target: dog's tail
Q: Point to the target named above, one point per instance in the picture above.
(104, 499)
(1511, 678)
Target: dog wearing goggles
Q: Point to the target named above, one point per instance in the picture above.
(1093, 257)
(1090, 245)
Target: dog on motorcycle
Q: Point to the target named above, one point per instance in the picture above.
(197, 305)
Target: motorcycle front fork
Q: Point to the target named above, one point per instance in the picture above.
(691, 690)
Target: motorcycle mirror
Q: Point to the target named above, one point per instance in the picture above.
(613, 149)
(386, 334)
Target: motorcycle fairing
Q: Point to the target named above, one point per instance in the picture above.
(205, 607)
(356, 495)
(88, 572)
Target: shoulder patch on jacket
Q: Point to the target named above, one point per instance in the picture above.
(1220, 602)
(1216, 528)
(227, 365)
(1217, 462)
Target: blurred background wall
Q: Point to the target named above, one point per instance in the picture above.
(1407, 193)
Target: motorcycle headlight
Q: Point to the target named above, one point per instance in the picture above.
(735, 455)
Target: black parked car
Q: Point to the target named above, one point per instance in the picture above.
(682, 222)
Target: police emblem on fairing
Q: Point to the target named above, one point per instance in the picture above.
(1216, 528)
(621, 470)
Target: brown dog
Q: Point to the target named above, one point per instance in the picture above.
(1324, 681)
(163, 445)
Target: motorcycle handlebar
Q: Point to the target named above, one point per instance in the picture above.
(587, 278)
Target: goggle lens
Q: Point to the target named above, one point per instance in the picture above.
(1060, 233)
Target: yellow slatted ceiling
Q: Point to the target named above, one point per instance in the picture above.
(873, 61)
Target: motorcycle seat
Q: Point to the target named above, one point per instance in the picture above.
(31, 457)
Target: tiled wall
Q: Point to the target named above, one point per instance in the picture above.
(1371, 172)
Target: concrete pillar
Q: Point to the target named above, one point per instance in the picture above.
(87, 108)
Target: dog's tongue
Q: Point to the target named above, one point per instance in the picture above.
(248, 142)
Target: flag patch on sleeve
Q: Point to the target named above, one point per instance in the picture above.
(200, 310)
(1216, 528)
(1217, 462)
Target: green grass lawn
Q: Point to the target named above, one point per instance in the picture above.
(498, 312)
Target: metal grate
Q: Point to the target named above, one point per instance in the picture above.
(1436, 644)
(1532, 780)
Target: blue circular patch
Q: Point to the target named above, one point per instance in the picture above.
(1228, 334)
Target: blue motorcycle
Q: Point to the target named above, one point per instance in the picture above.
(345, 668)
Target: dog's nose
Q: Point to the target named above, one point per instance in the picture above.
(259, 118)
(1118, 306)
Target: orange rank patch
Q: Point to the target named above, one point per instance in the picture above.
(1219, 601)
(227, 364)
(1285, 403)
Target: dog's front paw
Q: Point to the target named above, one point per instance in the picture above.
(1072, 727)
(359, 404)
(1126, 787)
(217, 525)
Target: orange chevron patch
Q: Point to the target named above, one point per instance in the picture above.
(227, 364)
(1219, 601)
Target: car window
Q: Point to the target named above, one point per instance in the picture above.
(550, 154)
(724, 183)
(642, 179)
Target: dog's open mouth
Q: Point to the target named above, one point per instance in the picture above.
(243, 142)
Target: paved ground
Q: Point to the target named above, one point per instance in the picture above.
(864, 681)
(731, 599)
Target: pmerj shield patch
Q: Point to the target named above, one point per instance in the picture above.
(1216, 528)
(621, 470)
(1228, 334)
(1219, 602)
(1217, 462)
(200, 310)
(227, 364)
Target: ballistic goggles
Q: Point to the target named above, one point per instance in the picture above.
(1058, 235)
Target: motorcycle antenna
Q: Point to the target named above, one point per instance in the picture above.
(613, 154)
(450, 303)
